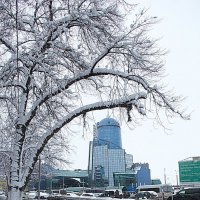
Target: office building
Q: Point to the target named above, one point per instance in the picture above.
(106, 155)
(109, 164)
(109, 161)
(143, 173)
(129, 160)
(138, 174)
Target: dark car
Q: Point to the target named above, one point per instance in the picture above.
(186, 194)
(146, 195)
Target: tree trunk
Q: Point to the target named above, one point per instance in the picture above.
(15, 194)
(14, 191)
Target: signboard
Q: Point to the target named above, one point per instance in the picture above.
(189, 171)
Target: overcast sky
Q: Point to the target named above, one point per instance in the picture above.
(179, 30)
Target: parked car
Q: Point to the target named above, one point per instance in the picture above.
(43, 195)
(146, 195)
(163, 190)
(88, 195)
(186, 194)
(71, 194)
(55, 193)
(31, 194)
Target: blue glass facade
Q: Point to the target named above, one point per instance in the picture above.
(111, 160)
(143, 174)
(106, 150)
(108, 133)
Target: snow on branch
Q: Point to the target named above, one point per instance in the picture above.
(98, 72)
(7, 44)
(122, 102)
(83, 75)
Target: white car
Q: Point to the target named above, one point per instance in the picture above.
(44, 195)
(55, 193)
(32, 194)
(88, 195)
(71, 194)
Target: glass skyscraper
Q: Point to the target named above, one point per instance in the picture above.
(108, 133)
(106, 152)
(109, 164)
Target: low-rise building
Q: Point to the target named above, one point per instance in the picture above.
(138, 174)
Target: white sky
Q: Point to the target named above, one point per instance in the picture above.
(179, 31)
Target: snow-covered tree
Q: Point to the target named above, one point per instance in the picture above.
(62, 59)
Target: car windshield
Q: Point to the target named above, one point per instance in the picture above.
(55, 192)
(151, 189)
(181, 192)
(192, 190)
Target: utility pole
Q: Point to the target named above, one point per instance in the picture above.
(165, 176)
(83, 185)
(63, 182)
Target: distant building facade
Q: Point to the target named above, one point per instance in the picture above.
(143, 173)
(129, 160)
(110, 160)
(138, 174)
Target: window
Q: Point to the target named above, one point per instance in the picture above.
(182, 192)
(192, 191)
(151, 189)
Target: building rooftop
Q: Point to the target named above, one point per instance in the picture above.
(108, 122)
(195, 158)
(69, 173)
